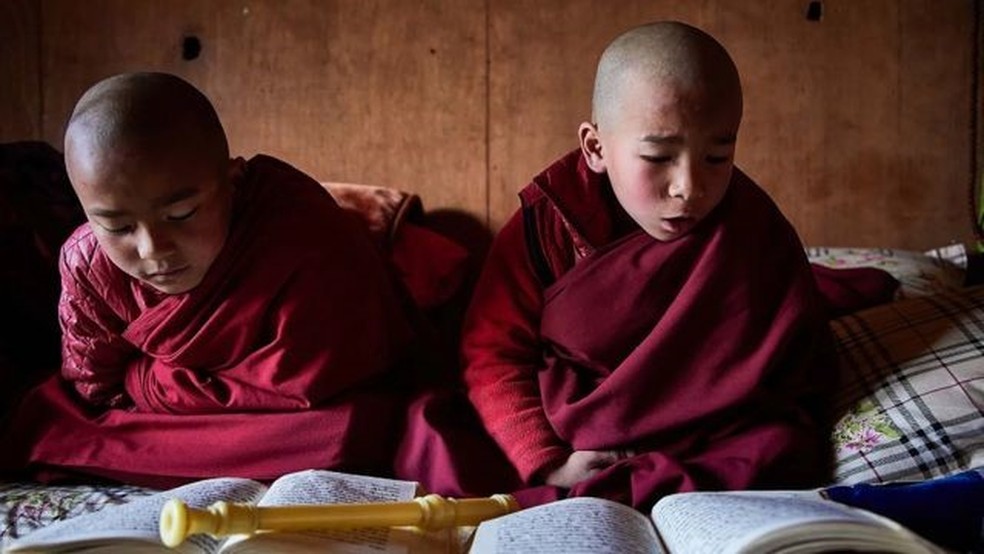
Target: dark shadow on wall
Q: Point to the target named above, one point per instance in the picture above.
(38, 210)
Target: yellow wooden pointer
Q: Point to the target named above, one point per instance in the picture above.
(427, 512)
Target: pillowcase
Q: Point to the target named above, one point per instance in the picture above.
(920, 274)
(431, 266)
(26, 507)
(911, 389)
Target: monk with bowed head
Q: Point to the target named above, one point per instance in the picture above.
(220, 316)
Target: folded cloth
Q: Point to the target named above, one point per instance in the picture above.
(847, 290)
(431, 266)
(946, 510)
(383, 209)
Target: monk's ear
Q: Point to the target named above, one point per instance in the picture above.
(591, 147)
(236, 170)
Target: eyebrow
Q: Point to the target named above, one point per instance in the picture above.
(662, 139)
(176, 196)
(677, 139)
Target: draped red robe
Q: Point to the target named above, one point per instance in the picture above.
(277, 361)
(704, 355)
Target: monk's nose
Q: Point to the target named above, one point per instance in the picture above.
(686, 183)
(153, 243)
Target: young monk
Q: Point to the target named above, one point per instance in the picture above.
(219, 316)
(647, 322)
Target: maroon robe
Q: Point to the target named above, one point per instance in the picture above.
(274, 363)
(704, 356)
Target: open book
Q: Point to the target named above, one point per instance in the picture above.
(692, 523)
(699, 523)
(134, 527)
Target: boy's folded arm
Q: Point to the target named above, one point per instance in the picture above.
(94, 354)
(512, 411)
(95, 366)
(501, 356)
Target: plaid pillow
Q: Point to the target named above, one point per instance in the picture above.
(912, 389)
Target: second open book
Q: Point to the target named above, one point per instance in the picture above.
(691, 523)
(744, 522)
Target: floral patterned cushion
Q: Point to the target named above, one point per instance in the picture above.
(920, 273)
(25, 507)
(912, 388)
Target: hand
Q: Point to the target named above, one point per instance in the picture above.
(582, 464)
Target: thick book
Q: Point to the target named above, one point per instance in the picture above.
(699, 523)
(135, 527)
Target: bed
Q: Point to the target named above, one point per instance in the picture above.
(911, 371)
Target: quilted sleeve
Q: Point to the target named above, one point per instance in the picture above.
(94, 354)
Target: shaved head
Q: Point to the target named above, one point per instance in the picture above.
(144, 113)
(666, 111)
(667, 54)
(148, 158)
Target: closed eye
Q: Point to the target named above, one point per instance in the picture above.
(658, 159)
(118, 230)
(718, 159)
(184, 216)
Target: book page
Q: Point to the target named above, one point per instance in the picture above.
(587, 525)
(138, 521)
(328, 487)
(735, 522)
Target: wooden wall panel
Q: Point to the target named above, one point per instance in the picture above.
(857, 124)
(381, 92)
(84, 42)
(845, 116)
(821, 116)
(20, 88)
(935, 119)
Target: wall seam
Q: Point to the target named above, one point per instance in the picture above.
(40, 76)
(976, 100)
(488, 115)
